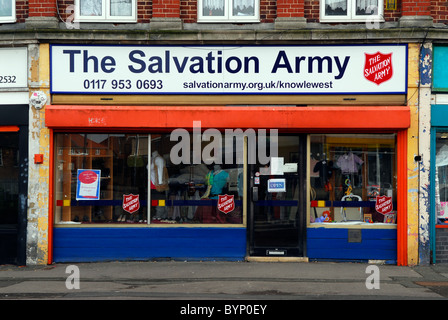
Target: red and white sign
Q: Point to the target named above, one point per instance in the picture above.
(383, 204)
(378, 67)
(88, 177)
(226, 203)
(131, 203)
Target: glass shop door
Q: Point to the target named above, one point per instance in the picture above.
(9, 196)
(277, 201)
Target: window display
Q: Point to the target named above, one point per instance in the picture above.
(353, 179)
(107, 178)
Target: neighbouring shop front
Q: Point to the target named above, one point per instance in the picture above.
(439, 164)
(13, 154)
(230, 180)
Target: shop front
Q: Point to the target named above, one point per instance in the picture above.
(13, 154)
(222, 179)
(439, 145)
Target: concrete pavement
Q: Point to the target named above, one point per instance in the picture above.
(222, 281)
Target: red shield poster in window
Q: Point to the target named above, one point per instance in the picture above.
(131, 203)
(383, 204)
(226, 203)
(378, 67)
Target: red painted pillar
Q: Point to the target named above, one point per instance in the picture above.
(290, 14)
(42, 14)
(416, 13)
(166, 15)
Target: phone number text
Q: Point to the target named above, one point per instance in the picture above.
(98, 84)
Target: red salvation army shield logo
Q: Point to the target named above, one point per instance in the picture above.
(383, 204)
(378, 67)
(131, 203)
(226, 203)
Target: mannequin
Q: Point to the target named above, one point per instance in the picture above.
(216, 180)
(159, 183)
(159, 175)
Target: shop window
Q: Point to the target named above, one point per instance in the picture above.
(141, 179)
(105, 10)
(441, 178)
(351, 10)
(228, 11)
(7, 11)
(353, 179)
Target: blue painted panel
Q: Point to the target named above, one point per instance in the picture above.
(440, 68)
(328, 243)
(103, 244)
(439, 115)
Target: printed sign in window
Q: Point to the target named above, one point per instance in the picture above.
(88, 184)
(276, 185)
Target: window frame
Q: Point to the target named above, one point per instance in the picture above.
(228, 16)
(351, 14)
(12, 18)
(106, 17)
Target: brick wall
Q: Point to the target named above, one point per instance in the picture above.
(21, 10)
(416, 7)
(42, 8)
(165, 8)
(439, 11)
(290, 8)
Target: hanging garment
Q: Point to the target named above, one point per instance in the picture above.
(348, 163)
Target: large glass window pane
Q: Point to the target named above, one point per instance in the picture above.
(121, 8)
(91, 8)
(106, 178)
(6, 8)
(366, 7)
(192, 183)
(101, 178)
(441, 177)
(214, 8)
(336, 7)
(243, 7)
(353, 178)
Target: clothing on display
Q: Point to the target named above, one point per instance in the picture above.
(325, 170)
(348, 163)
(216, 180)
(442, 156)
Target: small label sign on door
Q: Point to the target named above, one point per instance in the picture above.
(276, 185)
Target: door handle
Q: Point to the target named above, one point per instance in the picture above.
(254, 193)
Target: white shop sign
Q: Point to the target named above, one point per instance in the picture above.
(13, 68)
(337, 69)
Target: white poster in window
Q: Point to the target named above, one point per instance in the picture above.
(277, 165)
(88, 184)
